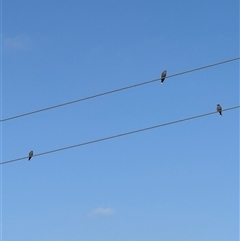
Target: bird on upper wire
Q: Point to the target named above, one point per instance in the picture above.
(30, 155)
(219, 109)
(163, 76)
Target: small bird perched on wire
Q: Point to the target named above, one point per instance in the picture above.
(219, 109)
(163, 76)
(30, 155)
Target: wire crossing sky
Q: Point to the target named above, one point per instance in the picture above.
(120, 135)
(117, 90)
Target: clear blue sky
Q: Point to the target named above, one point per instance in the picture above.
(178, 182)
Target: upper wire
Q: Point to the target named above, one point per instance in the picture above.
(116, 90)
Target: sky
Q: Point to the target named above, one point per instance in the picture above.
(177, 182)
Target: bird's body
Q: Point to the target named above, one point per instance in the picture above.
(163, 76)
(30, 155)
(219, 109)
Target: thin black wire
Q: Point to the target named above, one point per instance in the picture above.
(120, 135)
(114, 91)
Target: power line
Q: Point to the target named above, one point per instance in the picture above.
(114, 91)
(120, 135)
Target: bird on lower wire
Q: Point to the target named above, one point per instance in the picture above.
(163, 76)
(219, 109)
(30, 155)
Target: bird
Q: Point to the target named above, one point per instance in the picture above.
(219, 109)
(163, 76)
(30, 155)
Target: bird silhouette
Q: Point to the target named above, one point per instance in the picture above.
(163, 76)
(219, 109)
(30, 155)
